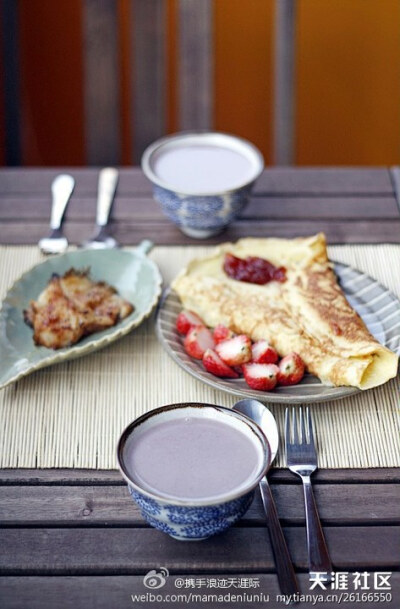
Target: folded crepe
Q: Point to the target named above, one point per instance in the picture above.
(308, 313)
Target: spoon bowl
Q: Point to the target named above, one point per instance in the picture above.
(55, 243)
(264, 418)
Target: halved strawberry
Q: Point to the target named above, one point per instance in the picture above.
(291, 369)
(235, 351)
(187, 319)
(197, 341)
(263, 353)
(262, 377)
(214, 364)
(221, 333)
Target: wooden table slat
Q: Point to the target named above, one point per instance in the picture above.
(83, 209)
(243, 550)
(318, 180)
(274, 180)
(112, 505)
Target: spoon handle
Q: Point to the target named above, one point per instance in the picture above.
(108, 179)
(284, 567)
(61, 189)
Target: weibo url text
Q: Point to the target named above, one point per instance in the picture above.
(258, 598)
(196, 597)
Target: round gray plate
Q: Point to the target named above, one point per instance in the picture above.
(378, 307)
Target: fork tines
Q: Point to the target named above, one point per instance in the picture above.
(292, 431)
(299, 436)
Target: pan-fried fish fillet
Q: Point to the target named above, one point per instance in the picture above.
(308, 313)
(73, 306)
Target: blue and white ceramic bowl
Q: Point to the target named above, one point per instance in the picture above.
(194, 519)
(202, 179)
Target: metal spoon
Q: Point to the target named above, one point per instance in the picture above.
(61, 189)
(108, 179)
(260, 414)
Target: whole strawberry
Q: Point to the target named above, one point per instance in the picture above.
(262, 377)
(291, 369)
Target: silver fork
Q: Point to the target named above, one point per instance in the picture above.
(108, 179)
(301, 458)
(61, 190)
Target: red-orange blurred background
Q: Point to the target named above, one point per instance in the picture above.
(348, 79)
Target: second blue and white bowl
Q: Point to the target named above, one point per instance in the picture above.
(201, 212)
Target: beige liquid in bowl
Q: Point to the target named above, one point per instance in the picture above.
(192, 458)
(196, 169)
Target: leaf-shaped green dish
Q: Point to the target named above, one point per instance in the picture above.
(134, 276)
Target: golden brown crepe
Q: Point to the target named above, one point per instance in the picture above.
(308, 313)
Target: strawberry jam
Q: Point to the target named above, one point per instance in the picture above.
(253, 270)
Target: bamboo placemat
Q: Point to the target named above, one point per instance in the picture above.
(71, 415)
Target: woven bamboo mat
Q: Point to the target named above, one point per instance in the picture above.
(71, 415)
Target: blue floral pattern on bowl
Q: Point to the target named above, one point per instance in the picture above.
(202, 215)
(191, 523)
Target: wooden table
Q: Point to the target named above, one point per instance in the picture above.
(73, 538)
